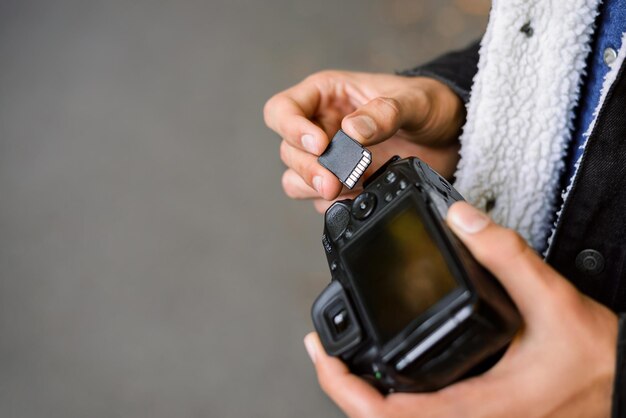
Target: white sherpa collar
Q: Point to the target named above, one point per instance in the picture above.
(521, 110)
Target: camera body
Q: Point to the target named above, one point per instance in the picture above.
(408, 308)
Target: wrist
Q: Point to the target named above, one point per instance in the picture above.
(618, 397)
(597, 394)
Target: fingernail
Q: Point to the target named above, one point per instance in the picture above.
(469, 219)
(318, 181)
(308, 142)
(310, 347)
(364, 125)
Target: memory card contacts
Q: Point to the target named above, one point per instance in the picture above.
(346, 159)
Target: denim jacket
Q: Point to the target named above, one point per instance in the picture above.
(588, 243)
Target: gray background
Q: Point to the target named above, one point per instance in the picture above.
(149, 264)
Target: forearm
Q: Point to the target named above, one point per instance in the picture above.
(619, 389)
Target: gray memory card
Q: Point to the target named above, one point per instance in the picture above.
(346, 159)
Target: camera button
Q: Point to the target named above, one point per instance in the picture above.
(590, 262)
(390, 177)
(403, 184)
(388, 197)
(363, 205)
(341, 321)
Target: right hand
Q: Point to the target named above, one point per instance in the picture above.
(390, 114)
(561, 363)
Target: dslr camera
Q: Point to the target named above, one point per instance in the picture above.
(408, 308)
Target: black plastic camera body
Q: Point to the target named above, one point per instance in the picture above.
(408, 308)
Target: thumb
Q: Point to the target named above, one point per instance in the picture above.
(382, 117)
(528, 280)
(352, 394)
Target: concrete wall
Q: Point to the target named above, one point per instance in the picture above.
(149, 264)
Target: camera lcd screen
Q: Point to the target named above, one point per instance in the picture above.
(398, 271)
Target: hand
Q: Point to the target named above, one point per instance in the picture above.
(412, 115)
(561, 364)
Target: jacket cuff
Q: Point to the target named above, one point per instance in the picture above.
(455, 69)
(619, 388)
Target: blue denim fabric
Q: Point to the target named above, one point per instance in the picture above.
(610, 25)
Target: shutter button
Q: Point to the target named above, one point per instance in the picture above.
(590, 262)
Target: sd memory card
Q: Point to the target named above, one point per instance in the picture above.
(346, 159)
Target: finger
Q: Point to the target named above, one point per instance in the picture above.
(382, 117)
(352, 394)
(484, 394)
(312, 173)
(303, 134)
(442, 159)
(302, 99)
(289, 114)
(296, 188)
(322, 205)
(329, 120)
(528, 280)
(467, 398)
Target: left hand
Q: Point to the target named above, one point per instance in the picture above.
(561, 364)
(389, 114)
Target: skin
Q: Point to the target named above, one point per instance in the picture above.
(562, 362)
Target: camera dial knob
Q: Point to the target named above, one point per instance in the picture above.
(364, 205)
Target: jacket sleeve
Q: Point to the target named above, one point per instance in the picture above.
(456, 69)
(619, 389)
